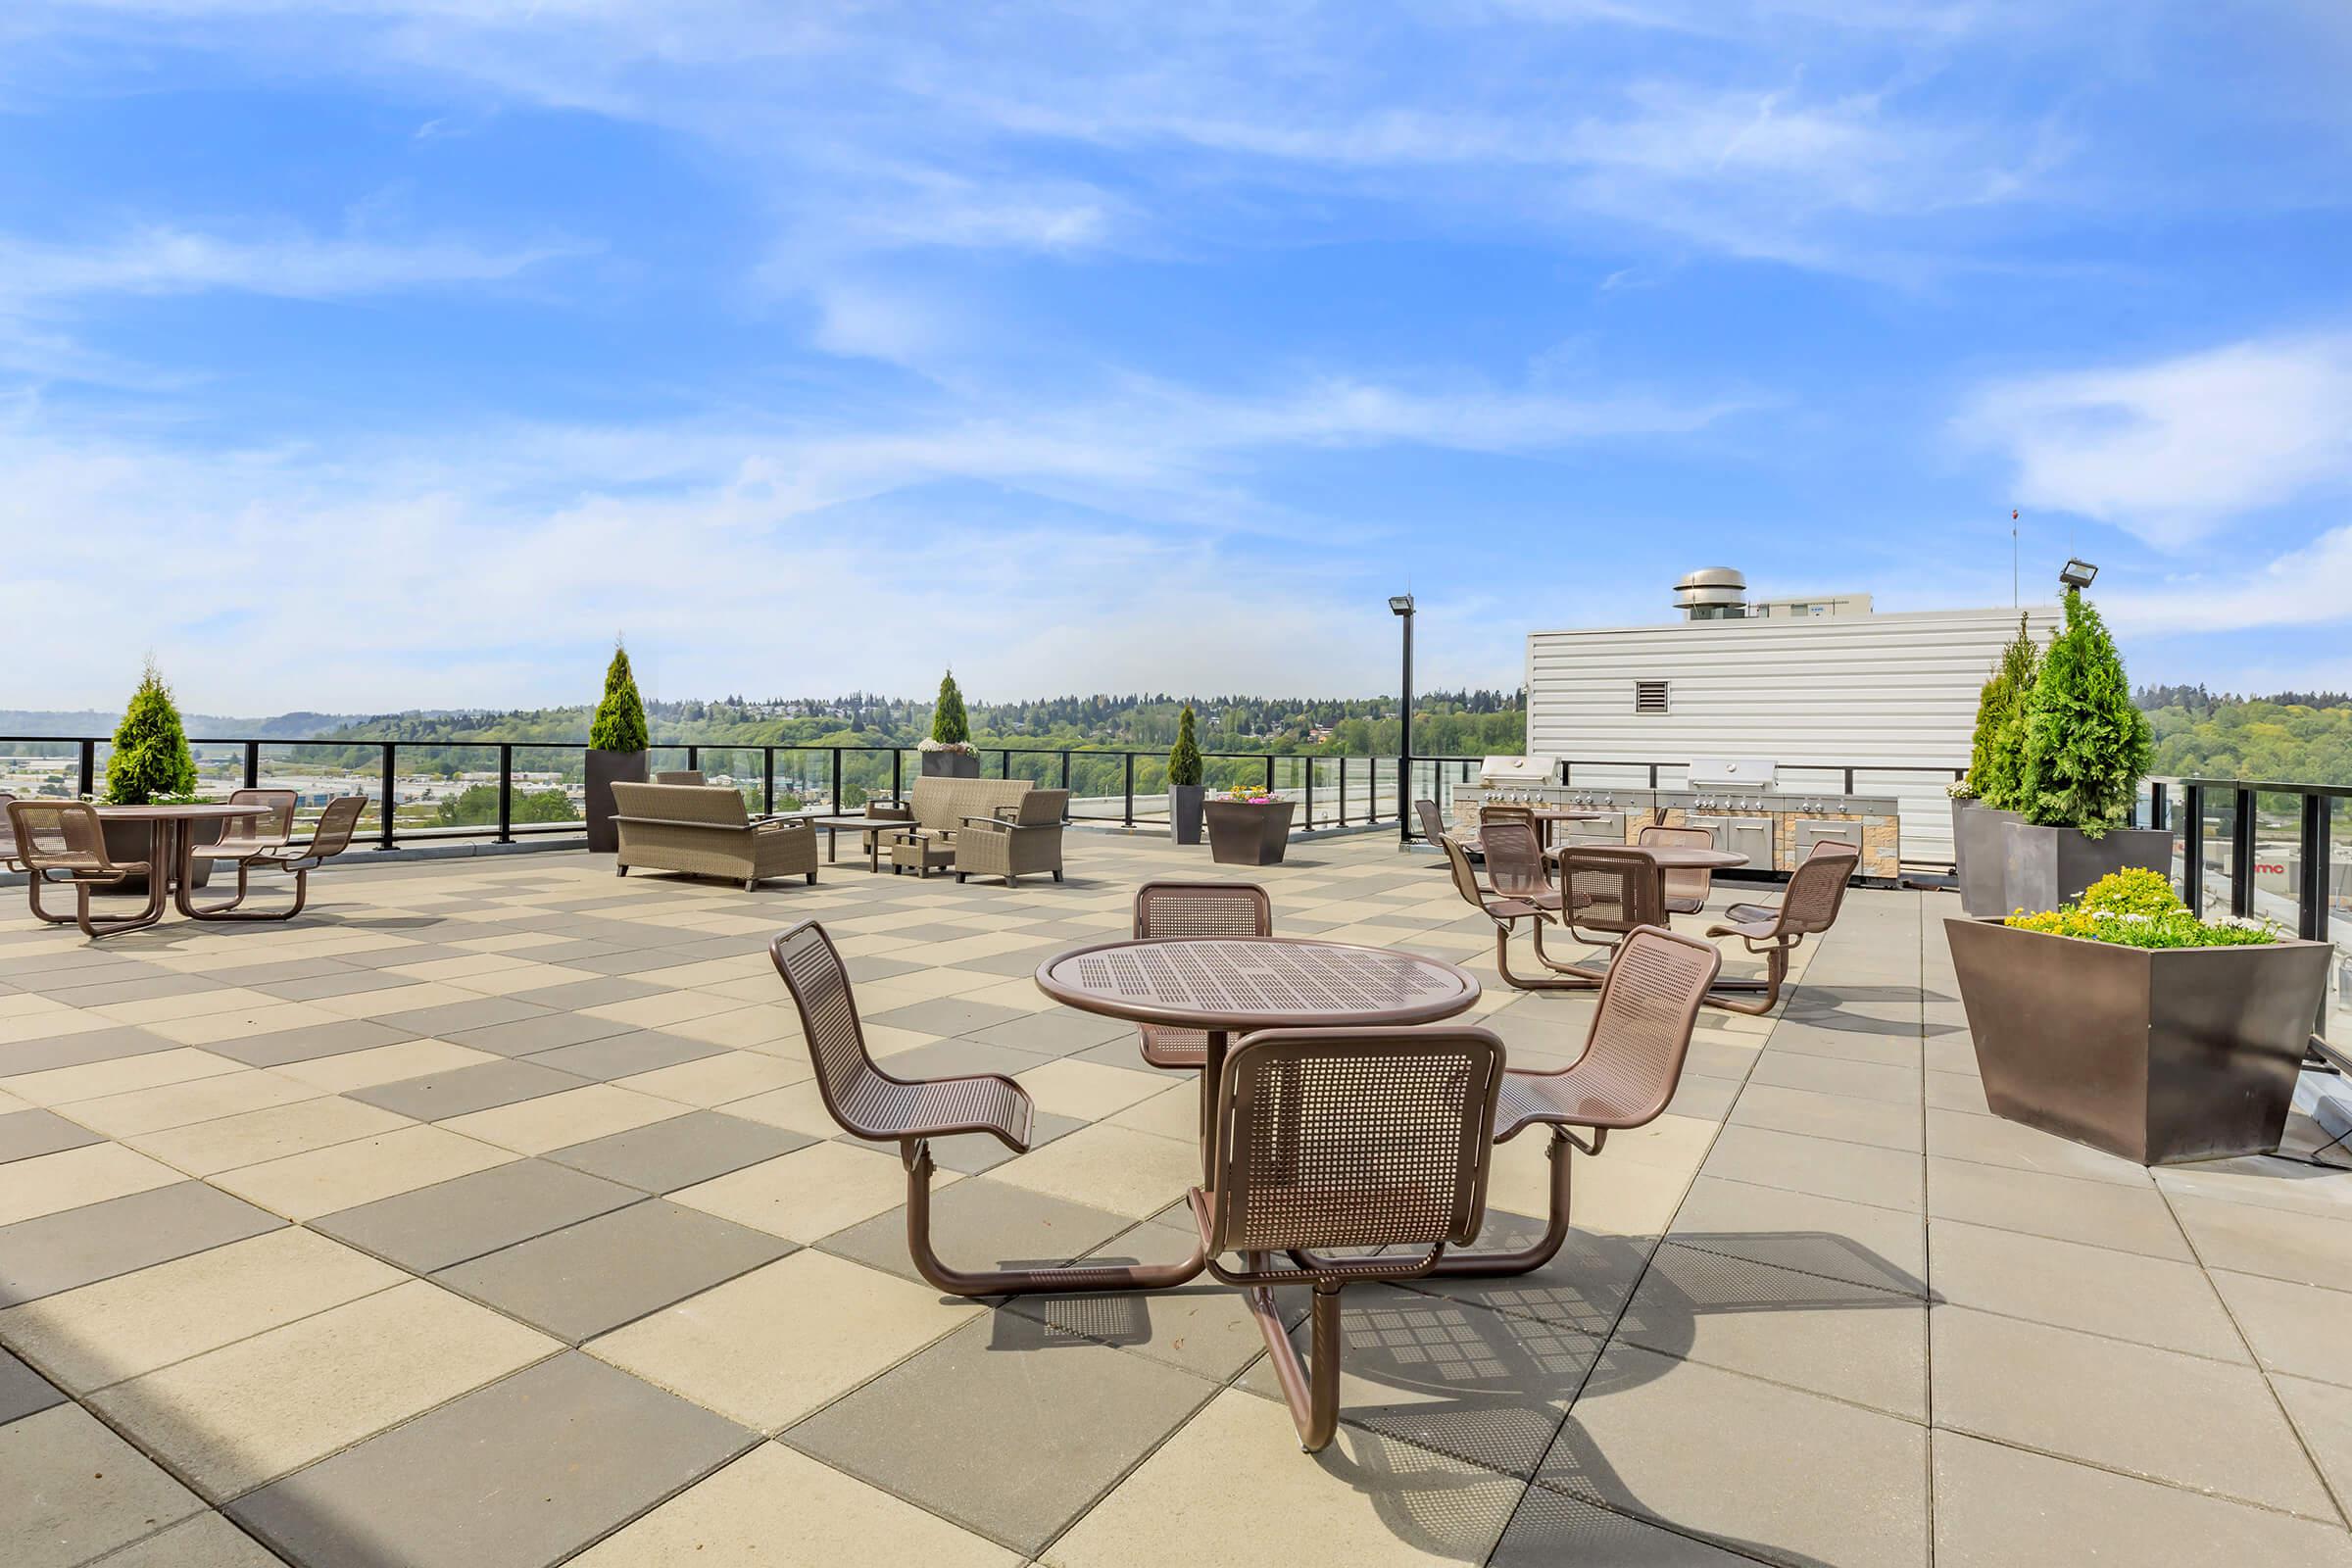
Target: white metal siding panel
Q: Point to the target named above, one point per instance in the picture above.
(1880, 691)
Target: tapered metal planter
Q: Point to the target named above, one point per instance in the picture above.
(2158, 1055)
(1247, 833)
(950, 765)
(605, 769)
(1184, 811)
(2048, 867)
(1980, 855)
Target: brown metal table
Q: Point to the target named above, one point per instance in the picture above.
(169, 840)
(1224, 986)
(873, 827)
(1549, 817)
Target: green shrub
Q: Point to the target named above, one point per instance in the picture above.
(619, 722)
(1184, 757)
(1995, 754)
(2134, 890)
(2087, 745)
(151, 760)
(948, 726)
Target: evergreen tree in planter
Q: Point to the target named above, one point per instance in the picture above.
(2084, 748)
(949, 752)
(1988, 798)
(1183, 782)
(618, 740)
(151, 760)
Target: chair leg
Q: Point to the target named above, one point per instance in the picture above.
(96, 926)
(224, 911)
(1566, 978)
(1764, 994)
(1076, 1278)
(1312, 1391)
(1525, 1259)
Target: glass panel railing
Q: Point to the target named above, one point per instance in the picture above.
(551, 785)
(444, 789)
(318, 772)
(2213, 872)
(2276, 892)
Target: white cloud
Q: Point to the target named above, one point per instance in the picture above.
(163, 259)
(2309, 586)
(2171, 450)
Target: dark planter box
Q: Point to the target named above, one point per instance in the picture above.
(950, 765)
(1184, 811)
(129, 841)
(1241, 833)
(2158, 1055)
(1980, 857)
(606, 769)
(2046, 867)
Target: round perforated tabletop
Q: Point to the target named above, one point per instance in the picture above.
(1237, 984)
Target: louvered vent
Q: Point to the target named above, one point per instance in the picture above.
(1650, 696)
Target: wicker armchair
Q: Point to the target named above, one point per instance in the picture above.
(64, 841)
(1014, 841)
(941, 807)
(1357, 1139)
(703, 830)
(1686, 887)
(330, 838)
(1815, 892)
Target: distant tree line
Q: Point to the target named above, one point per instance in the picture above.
(2294, 737)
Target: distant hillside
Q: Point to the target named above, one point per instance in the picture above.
(89, 721)
(2292, 737)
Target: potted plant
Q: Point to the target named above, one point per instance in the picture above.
(2084, 747)
(1248, 827)
(618, 742)
(1183, 782)
(949, 753)
(150, 764)
(2124, 1022)
(1979, 854)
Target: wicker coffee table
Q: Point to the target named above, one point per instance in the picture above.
(1226, 985)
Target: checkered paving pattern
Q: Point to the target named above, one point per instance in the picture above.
(488, 1216)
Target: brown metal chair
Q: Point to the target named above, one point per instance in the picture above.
(1687, 886)
(65, 841)
(1170, 910)
(1815, 892)
(1433, 829)
(1608, 891)
(1520, 892)
(1632, 1063)
(867, 1103)
(8, 861)
(1495, 811)
(330, 838)
(1359, 1139)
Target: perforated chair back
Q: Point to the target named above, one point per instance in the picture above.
(683, 775)
(1514, 858)
(1610, 888)
(1465, 877)
(272, 824)
(819, 983)
(8, 829)
(1817, 889)
(1507, 812)
(1172, 909)
(1686, 885)
(1432, 820)
(59, 836)
(336, 824)
(1339, 1138)
(1641, 1028)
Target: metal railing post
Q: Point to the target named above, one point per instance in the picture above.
(506, 794)
(2241, 856)
(2193, 848)
(1130, 813)
(89, 768)
(2311, 886)
(767, 780)
(253, 764)
(1309, 763)
(1065, 768)
(838, 807)
(1269, 772)
(694, 759)
(1004, 763)
(1343, 789)
(383, 808)
(2156, 803)
(898, 774)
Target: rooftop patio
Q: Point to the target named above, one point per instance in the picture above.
(488, 1215)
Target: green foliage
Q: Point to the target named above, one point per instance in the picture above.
(2087, 745)
(2199, 735)
(1184, 757)
(948, 726)
(1996, 762)
(479, 804)
(619, 724)
(2136, 907)
(2134, 890)
(151, 761)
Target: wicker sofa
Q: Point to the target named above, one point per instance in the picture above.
(703, 830)
(941, 807)
(1016, 840)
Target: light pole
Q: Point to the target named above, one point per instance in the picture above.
(1401, 607)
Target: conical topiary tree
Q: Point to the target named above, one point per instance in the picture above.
(619, 722)
(1995, 758)
(1184, 757)
(151, 760)
(948, 726)
(2086, 744)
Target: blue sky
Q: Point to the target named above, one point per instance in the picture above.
(404, 351)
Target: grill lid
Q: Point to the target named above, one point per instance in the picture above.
(1507, 770)
(1733, 773)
